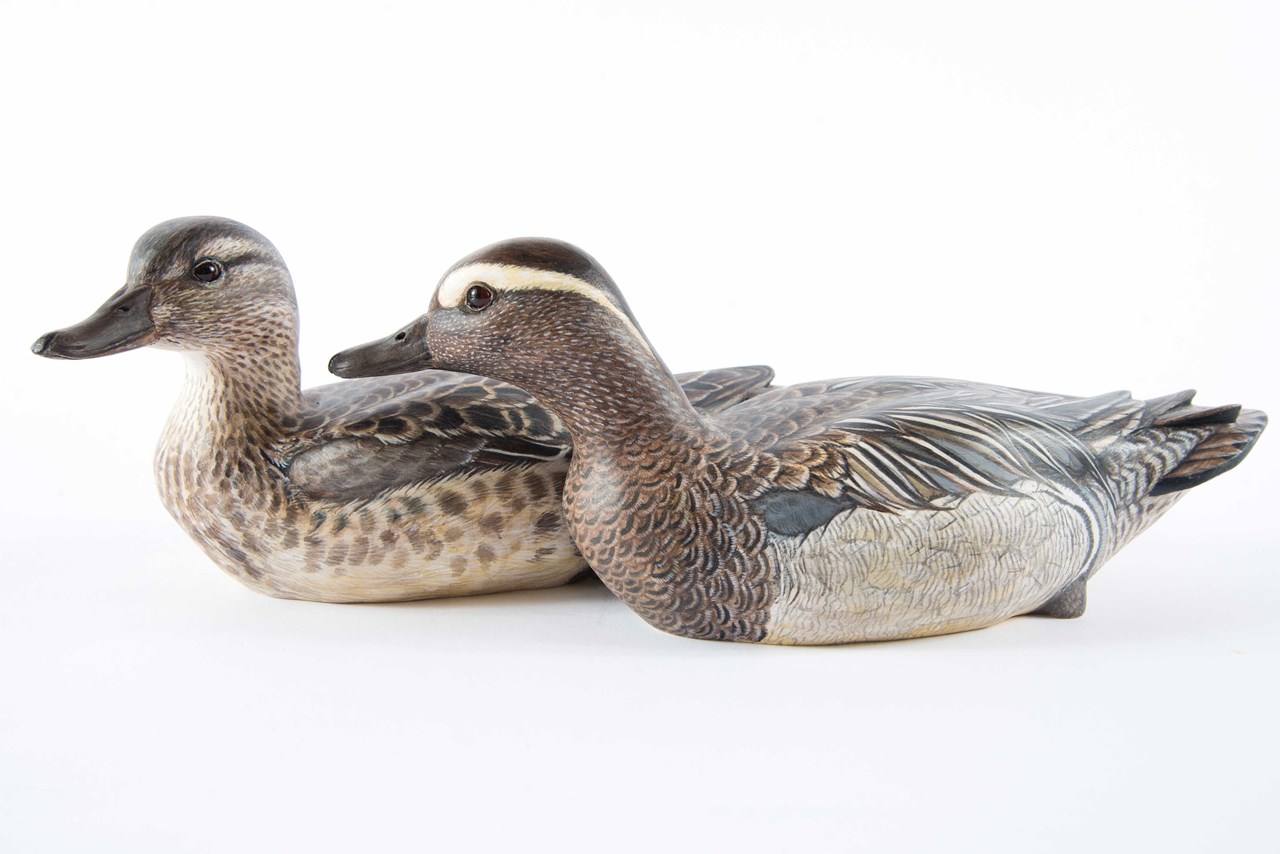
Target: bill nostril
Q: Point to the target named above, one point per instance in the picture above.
(400, 336)
(124, 309)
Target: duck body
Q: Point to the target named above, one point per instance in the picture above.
(886, 508)
(336, 514)
(422, 485)
(826, 512)
(426, 485)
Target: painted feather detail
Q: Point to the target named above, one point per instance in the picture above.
(929, 455)
(436, 425)
(899, 443)
(717, 390)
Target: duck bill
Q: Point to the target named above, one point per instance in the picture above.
(122, 323)
(399, 353)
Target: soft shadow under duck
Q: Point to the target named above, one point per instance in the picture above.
(826, 512)
(424, 485)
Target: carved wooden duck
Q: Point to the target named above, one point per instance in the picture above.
(424, 485)
(827, 512)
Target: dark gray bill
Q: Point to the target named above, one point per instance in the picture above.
(400, 353)
(122, 323)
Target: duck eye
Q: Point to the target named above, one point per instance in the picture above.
(479, 296)
(207, 270)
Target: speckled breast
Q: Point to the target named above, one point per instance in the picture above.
(667, 529)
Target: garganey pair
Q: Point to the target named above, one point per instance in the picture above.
(714, 506)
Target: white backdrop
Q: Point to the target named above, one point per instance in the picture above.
(1075, 200)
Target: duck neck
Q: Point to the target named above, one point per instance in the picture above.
(619, 397)
(240, 398)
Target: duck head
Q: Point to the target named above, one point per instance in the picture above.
(514, 310)
(203, 284)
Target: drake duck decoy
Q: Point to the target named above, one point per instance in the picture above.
(416, 486)
(827, 512)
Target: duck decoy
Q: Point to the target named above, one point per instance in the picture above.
(827, 512)
(417, 486)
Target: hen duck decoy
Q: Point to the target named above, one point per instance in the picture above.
(417, 486)
(827, 512)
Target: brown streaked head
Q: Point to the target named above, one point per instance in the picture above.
(500, 309)
(195, 283)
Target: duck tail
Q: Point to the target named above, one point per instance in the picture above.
(1223, 435)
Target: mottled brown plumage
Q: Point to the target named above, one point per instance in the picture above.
(844, 510)
(414, 486)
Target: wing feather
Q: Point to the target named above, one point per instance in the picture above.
(910, 443)
(361, 437)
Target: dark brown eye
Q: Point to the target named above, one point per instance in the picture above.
(479, 296)
(207, 270)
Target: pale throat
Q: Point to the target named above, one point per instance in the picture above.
(219, 437)
(234, 397)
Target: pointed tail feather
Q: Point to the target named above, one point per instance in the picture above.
(1234, 431)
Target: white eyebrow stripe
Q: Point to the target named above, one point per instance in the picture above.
(225, 247)
(505, 277)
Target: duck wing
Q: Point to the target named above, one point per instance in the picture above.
(717, 390)
(910, 443)
(361, 437)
